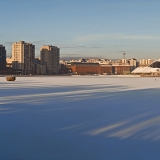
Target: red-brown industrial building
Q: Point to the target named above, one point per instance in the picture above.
(121, 69)
(90, 68)
(95, 68)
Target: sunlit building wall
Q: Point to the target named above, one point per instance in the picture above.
(145, 62)
(23, 56)
(133, 63)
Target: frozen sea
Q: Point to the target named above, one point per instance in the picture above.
(80, 118)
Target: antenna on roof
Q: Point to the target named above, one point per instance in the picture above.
(124, 55)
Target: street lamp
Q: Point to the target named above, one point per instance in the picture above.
(124, 61)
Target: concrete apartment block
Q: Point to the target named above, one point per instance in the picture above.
(133, 63)
(23, 56)
(50, 57)
(40, 69)
(2, 59)
(145, 62)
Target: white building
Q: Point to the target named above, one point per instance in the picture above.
(145, 62)
(133, 63)
(23, 55)
(124, 61)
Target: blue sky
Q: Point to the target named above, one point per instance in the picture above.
(84, 28)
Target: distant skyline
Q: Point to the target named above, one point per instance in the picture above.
(84, 28)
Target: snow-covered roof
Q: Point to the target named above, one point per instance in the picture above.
(152, 68)
(146, 70)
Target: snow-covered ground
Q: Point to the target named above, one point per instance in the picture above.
(80, 118)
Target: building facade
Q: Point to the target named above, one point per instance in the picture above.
(50, 57)
(133, 63)
(39, 68)
(145, 62)
(90, 68)
(9, 62)
(23, 56)
(121, 69)
(2, 59)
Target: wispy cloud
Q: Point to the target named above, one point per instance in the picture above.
(39, 42)
(101, 37)
(73, 46)
(8, 43)
(67, 54)
(123, 51)
(80, 46)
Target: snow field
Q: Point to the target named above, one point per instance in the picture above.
(80, 117)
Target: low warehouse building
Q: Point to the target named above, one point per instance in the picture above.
(90, 68)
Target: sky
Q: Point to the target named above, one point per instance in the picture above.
(84, 28)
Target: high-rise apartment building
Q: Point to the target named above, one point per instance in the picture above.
(145, 62)
(123, 61)
(23, 56)
(133, 63)
(50, 58)
(2, 59)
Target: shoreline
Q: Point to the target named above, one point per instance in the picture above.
(105, 76)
